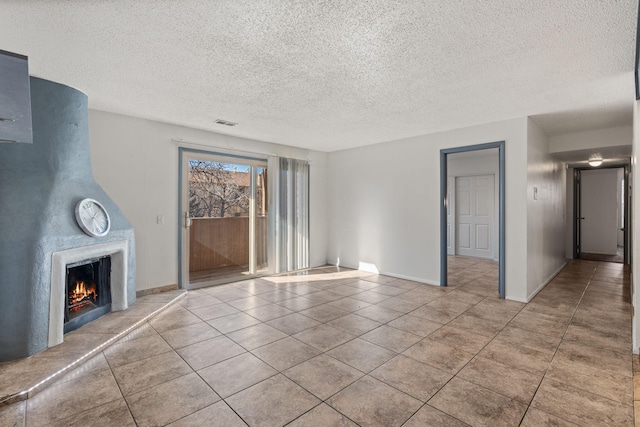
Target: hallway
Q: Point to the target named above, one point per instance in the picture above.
(342, 348)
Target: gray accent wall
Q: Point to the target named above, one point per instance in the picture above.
(40, 185)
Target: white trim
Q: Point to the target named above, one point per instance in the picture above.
(59, 260)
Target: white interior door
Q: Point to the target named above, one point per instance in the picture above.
(599, 211)
(474, 210)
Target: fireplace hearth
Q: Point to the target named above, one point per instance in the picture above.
(88, 290)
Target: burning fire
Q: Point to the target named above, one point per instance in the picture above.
(82, 294)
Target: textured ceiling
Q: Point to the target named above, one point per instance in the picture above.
(329, 75)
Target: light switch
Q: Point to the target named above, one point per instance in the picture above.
(535, 193)
(160, 219)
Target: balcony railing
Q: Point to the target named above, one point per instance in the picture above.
(224, 242)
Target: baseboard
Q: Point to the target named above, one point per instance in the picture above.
(157, 290)
(541, 287)
(397, 276)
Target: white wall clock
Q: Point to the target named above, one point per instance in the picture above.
(93, 218)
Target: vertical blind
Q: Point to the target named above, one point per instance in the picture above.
(289, 201)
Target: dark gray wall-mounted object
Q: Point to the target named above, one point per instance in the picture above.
(40, 185)
(15, 99)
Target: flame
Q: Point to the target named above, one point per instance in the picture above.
(81, 292)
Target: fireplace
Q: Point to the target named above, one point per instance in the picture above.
(88, 290)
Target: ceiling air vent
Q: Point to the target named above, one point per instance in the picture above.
(226, 123)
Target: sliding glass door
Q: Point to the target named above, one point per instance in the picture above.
(224, 218)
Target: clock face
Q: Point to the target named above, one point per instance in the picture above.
(92, 217)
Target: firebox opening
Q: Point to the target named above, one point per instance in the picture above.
(88, 292)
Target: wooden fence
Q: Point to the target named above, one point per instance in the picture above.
(224, 242)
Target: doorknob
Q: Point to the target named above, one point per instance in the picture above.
(580, 217)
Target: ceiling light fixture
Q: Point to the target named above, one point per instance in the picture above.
(595, 160)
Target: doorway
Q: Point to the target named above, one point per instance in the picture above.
(470, 214)
(601, 209)
(223, 211)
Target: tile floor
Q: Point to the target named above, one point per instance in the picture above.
(343, 348)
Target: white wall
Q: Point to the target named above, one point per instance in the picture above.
(483, 162)
(136, 162)
(384, 203)
(545, 214)
(592, 139)
(568, 223)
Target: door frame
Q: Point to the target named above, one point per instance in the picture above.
(577, 188)
(500, 145)
(183, 273)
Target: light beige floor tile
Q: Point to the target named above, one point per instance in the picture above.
(129, 351)
(439, 355)
(236, 374)
(323, 313)
(324, 296)
(460, 339)
(434, 315)
(388, 290)
(323, 376)
(227, 292)
(378, 313)
(173, 318)
(430, 416)
(370, 402)
(349, 304)
(217, 415)
(277, 295)
(256, 404)
(13, 415)
(606, 384)
(345, 290)
(268, 312)
(60, 401)
(299, 303)
(579, 406)
(522, 358)
(370, 297)
(473, 324)
(399, 304)
(285, 353)
(188, 335)
(323, 337)
(248, 303)
(256, 336)
(589, 336)
(322, 415)
(481, 407)
(391, 338)
(214, 311)
(115, 413)
(354, 324)
(233, 322)
(415, 325)
(142, 374)
(503, 379)
(170, 401)
(528, 339)
(412, 377)
(206, 353)
(598, 358)
(198, 300)
(537, 418)
(361, 354)
(293, 323)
